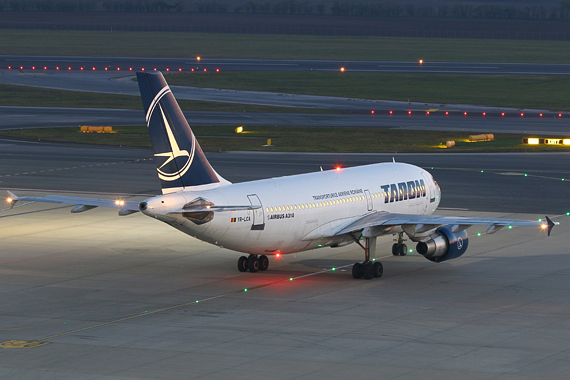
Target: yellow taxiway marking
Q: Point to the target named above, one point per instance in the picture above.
(22, 344)
(75, 167)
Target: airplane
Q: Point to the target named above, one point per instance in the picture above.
(278, 216)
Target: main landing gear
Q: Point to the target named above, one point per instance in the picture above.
(399, 248)
(367, 269)
(253, 263)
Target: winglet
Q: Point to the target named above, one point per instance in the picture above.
(551, 224)
(12, 199)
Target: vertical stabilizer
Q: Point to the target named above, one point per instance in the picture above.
(180, 162)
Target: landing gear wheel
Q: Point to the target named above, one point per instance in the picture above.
(252, 264)
(357, 271)
(368, 270)
(377, 269)
(402, 249)
(395, 249)
(242, 264)
(263, 263)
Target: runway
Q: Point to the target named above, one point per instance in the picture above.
(111, 297)
(38, 117)
(187, 64)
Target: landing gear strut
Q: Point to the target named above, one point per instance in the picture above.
(399, 248)
(367, 269)
(253, 263)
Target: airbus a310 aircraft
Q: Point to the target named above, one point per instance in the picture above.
(284, 215)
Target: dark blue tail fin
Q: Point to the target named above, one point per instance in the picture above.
(180, 162)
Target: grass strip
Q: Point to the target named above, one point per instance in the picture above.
(27, 96)
(253, 46)
(290, 139)
(518, 91)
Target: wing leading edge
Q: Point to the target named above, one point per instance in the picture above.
(423, 223)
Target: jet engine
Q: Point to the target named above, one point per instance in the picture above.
(443, 245)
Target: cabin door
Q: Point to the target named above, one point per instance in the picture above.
(258, 214)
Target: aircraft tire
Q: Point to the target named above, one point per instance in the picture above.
(378, 269)
(263, 263)
(402, 249)
(242, 264)
(395, 249)
(252, 264)
(368, 270)
(357, 271)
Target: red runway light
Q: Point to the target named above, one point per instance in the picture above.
(69, 68)
(559, 115)
(93, 69)
(45, 67)
(167, 69)
(57, 68)
(217, 70)
(540, 114)
(484, 113)
(192, 70)
(409, 112)
(446, 113)
(21, 67)
(390, 112)
(502, 114)
(155, 69)
(130, 69)
(205, 70)
(465, 113)
(105, 69)
(80, 69)
(522, 114)
(142, 69)
(9, 67)
(33, 67)
(118, 69)
(372, 112)
(181, 69)
(427, 112)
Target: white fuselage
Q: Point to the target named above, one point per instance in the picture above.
(301, 212)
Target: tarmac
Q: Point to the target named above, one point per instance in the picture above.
(97, 296)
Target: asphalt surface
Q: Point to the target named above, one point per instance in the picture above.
(502, 185)
(36, 117)
(187, 64)
(111, 297)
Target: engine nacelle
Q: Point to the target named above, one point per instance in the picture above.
(444, 245)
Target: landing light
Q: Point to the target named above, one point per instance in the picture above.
(421, 61)
(544, 226)
(342, 69)
(239, 129)
(119, 202)
(198, 58)
(9, 200)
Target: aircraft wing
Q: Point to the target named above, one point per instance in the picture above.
(423, 223)
(82, 204)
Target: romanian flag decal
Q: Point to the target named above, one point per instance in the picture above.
(233, 220)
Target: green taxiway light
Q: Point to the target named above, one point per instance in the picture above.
(563, 179)
(290, 278)
(526, 175)
(320, 245)
(197, 301)
(334, 269)
(479, 234)
(245, 290)
(568, 213)
(540, 220)
(481, 171)
(411, 250)
(510, 227)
